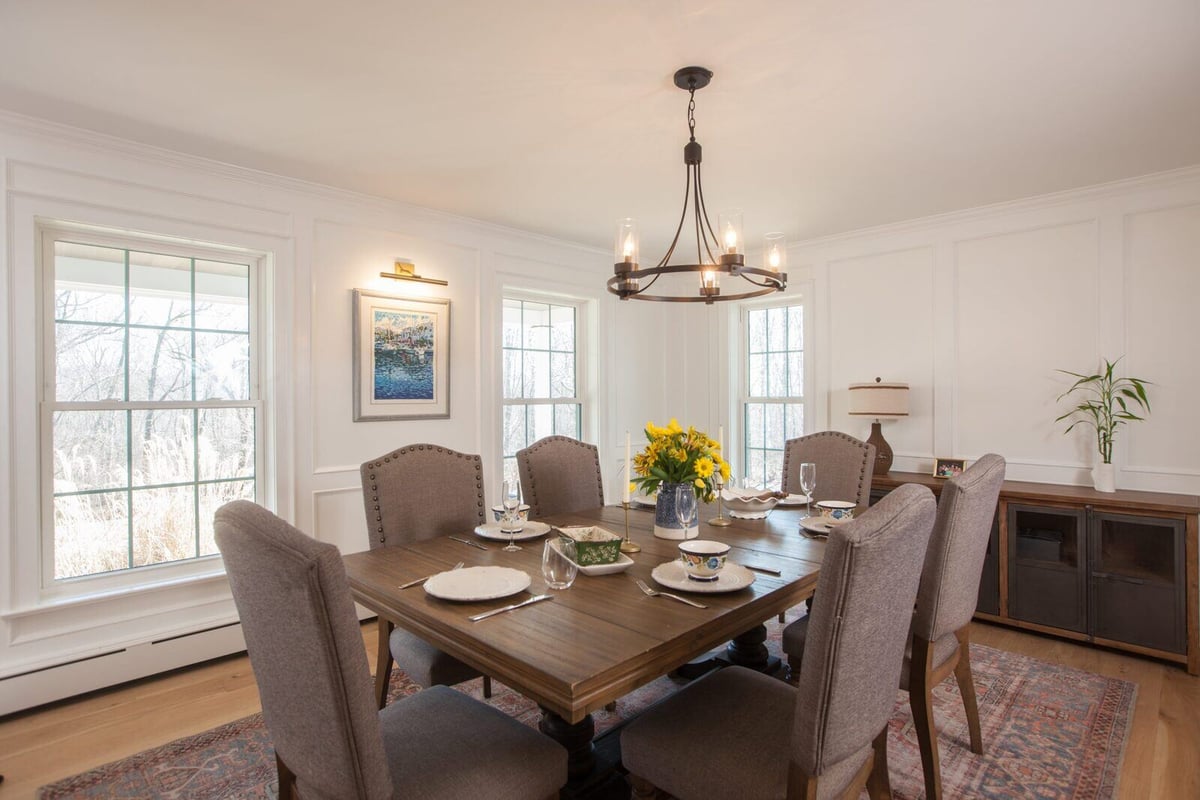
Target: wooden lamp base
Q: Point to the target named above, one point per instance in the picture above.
(883, 450)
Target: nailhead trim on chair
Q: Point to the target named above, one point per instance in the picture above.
(534, 506)
(787, 454)
(409, 448)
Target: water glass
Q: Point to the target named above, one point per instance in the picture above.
(558, 563)
(511, 498)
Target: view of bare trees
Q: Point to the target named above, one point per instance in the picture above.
(154, 425)
(539, 364)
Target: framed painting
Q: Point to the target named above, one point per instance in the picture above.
(401, 357)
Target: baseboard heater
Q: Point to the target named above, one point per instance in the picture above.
(79, 676)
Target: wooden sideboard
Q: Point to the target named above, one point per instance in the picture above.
(1119, 569)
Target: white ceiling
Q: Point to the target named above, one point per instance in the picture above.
(559, 117)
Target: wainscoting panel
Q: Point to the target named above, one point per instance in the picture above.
(881, 325)
(1162, 284)
(1026, 306)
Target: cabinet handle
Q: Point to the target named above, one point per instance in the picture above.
(1122, 578)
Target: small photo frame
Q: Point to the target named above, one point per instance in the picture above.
(401, 357)
(948, 467)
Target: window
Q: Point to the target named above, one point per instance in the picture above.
(152, 416)
(541, 374)
(773, 389)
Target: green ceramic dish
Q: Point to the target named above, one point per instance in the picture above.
(593, 545)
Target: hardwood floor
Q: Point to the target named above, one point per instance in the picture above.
(41, 746)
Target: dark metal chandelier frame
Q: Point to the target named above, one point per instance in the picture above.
(631, 281)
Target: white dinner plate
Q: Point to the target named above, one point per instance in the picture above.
(730, 579)
(794, 500)
(819, 525)
(622, 563)
(529, 530)
(644, 500)
(477, 583)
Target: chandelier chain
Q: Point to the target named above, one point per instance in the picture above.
(692, 114)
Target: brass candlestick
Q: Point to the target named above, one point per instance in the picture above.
(628, 546)
(720, 521)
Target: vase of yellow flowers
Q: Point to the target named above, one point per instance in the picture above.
(678, 460)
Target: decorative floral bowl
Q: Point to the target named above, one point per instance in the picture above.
(522, 512)
(703, 559)
(841, 510)
(593, 545)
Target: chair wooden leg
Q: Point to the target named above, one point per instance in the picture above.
(287, 780)
(642, 788)
(920, 698)
(782, 617)
(966, 687)
(610, 707)
(879, 782)
(383, 661)
(793, 676)
(487, 687)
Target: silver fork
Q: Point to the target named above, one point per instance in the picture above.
(655, 593)
(459, 565)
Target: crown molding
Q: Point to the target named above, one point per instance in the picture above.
(43, 129)
(1099, 191)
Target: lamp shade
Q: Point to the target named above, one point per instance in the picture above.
(879, 399)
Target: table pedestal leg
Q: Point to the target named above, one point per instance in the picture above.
(748, 650)
(383, 661)
(576, 737)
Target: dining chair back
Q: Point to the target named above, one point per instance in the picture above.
(422, 491)
(845, 466)
(560, 475)
(306, 650)
(858, 632)
(737, 733)
(946, 603)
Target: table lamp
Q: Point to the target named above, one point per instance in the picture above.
(881, 401)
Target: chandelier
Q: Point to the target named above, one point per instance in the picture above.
(715, 255)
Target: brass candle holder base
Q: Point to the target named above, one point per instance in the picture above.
(719, 521)
(628, 545)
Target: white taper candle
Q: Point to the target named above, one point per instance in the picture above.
(628, 475)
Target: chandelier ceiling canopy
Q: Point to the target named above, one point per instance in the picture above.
(715, 255)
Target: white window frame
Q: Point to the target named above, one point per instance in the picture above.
(582, 366)
(744, 398)
(166, 573)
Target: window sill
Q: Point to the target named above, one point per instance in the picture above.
(54, 605)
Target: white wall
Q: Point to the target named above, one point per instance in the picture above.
(323, 243)
(977, 309)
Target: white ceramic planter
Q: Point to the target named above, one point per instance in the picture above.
(1104, 478)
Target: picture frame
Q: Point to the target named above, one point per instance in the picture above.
(401, 357)
(948, 467)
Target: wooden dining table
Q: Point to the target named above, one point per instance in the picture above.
(603, 637)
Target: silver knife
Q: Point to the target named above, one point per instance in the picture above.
(469, 543)
(535, 599)
(767, 570)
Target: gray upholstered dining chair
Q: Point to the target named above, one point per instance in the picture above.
(845, 466)
(737, 733)
(559, 475)
(419, 492)
(939, 641)
(307, 654)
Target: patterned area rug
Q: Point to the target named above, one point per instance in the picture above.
(1049, 731)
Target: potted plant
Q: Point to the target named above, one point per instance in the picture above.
(1107, 403)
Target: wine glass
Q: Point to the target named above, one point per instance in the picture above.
(512, 501)
(685, 506)
(808, 484)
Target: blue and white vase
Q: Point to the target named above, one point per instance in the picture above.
(666, 521)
